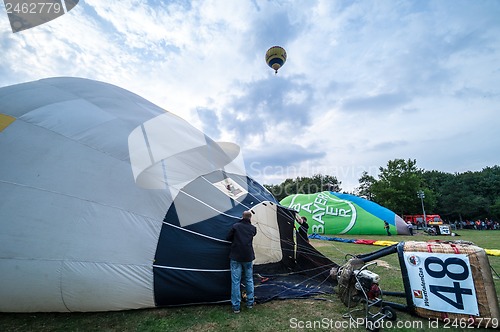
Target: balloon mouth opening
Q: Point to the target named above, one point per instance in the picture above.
(276, 66)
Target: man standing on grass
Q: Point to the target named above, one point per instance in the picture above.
(410, 227)
(241, 260)
(386, 226)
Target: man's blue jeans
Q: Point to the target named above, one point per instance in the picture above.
(236, 269)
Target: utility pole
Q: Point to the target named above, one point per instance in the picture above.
(421, 195)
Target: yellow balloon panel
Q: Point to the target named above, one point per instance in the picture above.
(5, 121)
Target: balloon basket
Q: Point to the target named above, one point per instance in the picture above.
(450, 281)
(447, 265)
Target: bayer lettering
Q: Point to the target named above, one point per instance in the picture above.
(318, 209)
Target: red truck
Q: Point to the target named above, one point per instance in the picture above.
(418, 219)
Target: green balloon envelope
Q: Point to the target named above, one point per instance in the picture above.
(335, 213)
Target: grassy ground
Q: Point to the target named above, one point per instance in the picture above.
(287, 315)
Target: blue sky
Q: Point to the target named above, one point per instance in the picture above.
(365, 81)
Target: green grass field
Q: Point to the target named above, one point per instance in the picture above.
(272, 316)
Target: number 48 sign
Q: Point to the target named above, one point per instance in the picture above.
(441, 282)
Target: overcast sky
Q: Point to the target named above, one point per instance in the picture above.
(365, 81)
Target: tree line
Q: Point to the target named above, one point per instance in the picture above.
(458, 196)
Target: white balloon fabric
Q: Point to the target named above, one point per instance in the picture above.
(100, 212)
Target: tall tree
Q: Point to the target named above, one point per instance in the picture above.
(495, 209)
(397, 186)
(489, 183)
(366, 182)
(436, 182)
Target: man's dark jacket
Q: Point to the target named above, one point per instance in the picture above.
(241, 235)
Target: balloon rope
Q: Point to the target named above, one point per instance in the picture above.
(305, 280)
(495, 271)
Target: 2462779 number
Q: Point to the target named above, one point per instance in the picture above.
(470, 323)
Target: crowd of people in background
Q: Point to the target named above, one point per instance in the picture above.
(480, 225)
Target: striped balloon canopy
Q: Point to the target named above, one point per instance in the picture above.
(109, 202)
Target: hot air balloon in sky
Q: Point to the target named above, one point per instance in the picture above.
(110, 203)
(276, 57)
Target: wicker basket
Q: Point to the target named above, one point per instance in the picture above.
(481, 274)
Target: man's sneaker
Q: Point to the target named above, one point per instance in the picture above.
(236, 311)
(250, 306)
